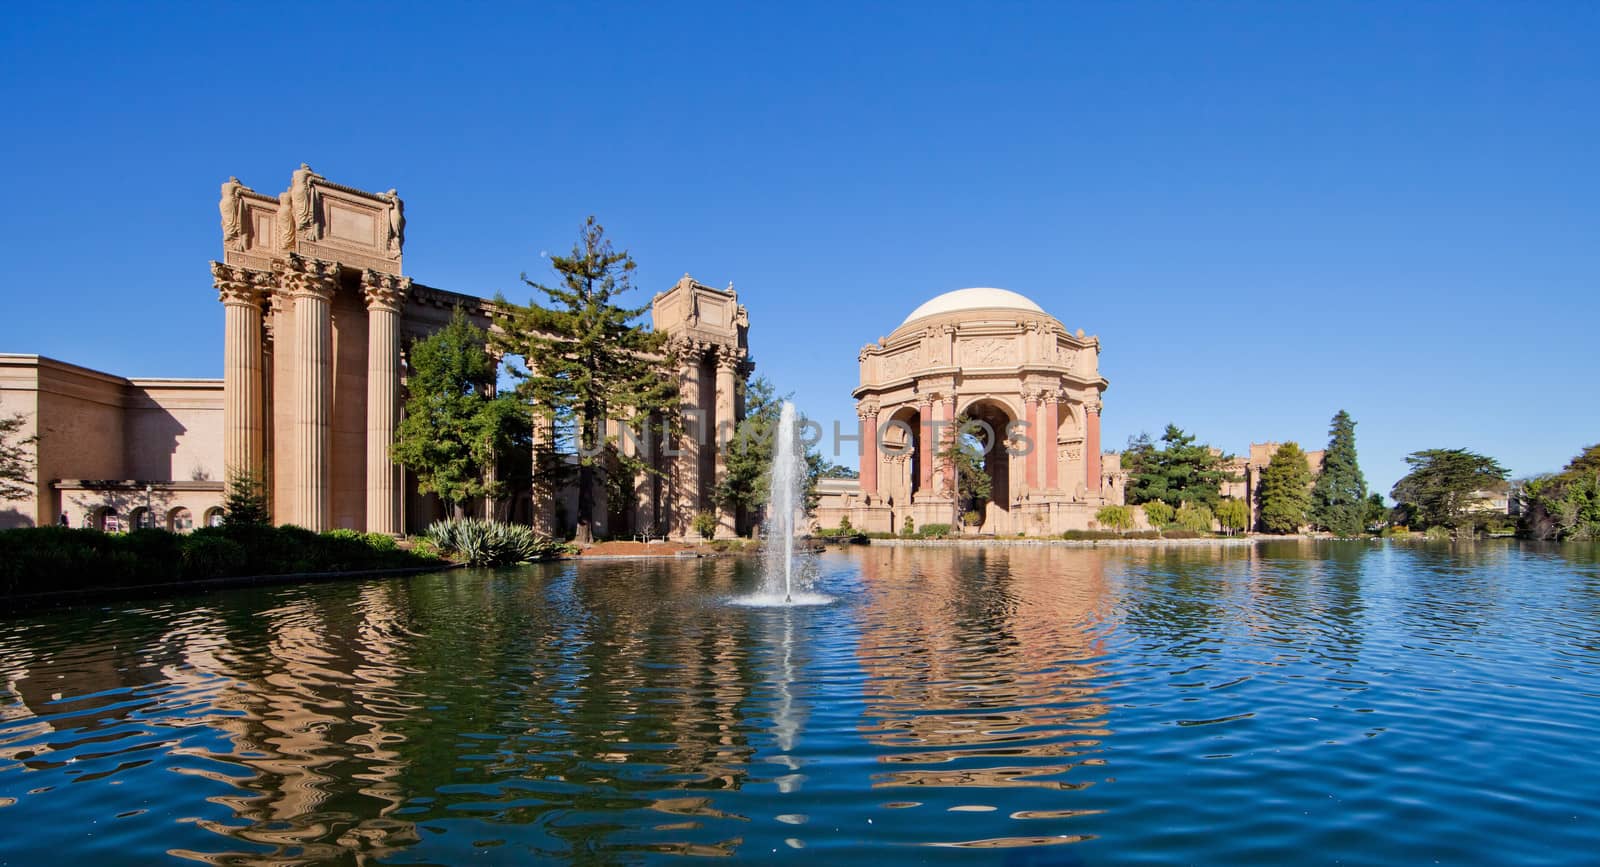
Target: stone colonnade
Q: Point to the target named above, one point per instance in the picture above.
(305, 287)
(709, 422)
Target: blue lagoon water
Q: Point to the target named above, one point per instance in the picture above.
(1353, 703)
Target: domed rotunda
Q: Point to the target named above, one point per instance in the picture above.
(1029, 394)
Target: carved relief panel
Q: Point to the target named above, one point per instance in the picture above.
(987, 351)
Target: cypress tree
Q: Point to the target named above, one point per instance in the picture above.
(1285, 490)
(1338, 501)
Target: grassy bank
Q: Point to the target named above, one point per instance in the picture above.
(64, 559)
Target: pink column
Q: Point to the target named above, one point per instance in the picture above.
(947, 437)
(1091, 449)
(1030, 412)
(868, 414)
(1052, 422)
(925, 448)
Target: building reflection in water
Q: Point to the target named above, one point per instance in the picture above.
(981, 666)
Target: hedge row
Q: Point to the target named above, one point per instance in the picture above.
(41, 559)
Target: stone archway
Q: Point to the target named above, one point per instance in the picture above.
(989, 420)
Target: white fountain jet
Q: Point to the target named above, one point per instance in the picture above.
(784, 505)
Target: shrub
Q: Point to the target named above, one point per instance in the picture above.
(844, 526)
(909, 528)
(705, 524)
(1437, 534)
(1394, 530)
(41, 559)
(1158, 513)
(1194, 517)
(1115, 517)
(934, 531)
(1181, 533)
(1087, 535)
(971, 519)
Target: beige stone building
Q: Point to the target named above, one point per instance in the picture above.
(1247, 469)
(318, 316)
(1033, 390)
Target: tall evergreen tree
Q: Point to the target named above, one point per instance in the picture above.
(455, 426)
(587, 361)
(1285, 490)
(245, 504)
(1181, 471)
(1338, 499)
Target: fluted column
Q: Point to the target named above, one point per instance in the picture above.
(384, 293)
(947, 438)
(312, 285)
(728, 363)
(243, 409)
(1030, 411)
(694, 429)
(925, 448)
(1091, 448)
(868, 415)
(1052, 423)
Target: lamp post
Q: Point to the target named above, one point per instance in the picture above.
(149, 516)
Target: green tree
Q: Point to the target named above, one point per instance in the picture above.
(16, 459)
(1441, 488)
(1194, 516)
(1338, 499)
(1158, 513)
(1233, 515)
(455, 427)
(969, 486)
(1285, 490)
(1374, 512)
(1119, 518)
(587, 361)
(749, 452)
(1180, 471)
(245, 503)
(1564, 505)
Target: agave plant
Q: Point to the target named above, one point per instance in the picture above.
(491, 543)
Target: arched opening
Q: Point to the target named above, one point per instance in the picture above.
(984, 436)
(180, 520)
(900, 467)
(107, 520)
(214, 516)
(141, 519)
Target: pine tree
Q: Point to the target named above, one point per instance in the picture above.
(455, 426)
(245, 504)
(588, 362)
(1442, 485)
(1285, 490)
(1181, 471)
(1338, 500)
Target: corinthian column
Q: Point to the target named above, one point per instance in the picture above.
(384, 294)
(1030, 409)
(687, 502)
(1091, 447)
(868, 414)
(312, 282)
(728, 363)
(925, 447)
(1052, 424)
(243, 409)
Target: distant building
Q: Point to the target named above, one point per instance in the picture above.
(994, 357)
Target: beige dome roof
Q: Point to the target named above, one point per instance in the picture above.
(973, 299)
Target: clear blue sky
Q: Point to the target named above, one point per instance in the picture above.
(1266, 211)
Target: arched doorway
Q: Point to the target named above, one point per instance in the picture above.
(984, 436)
(180, 520)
